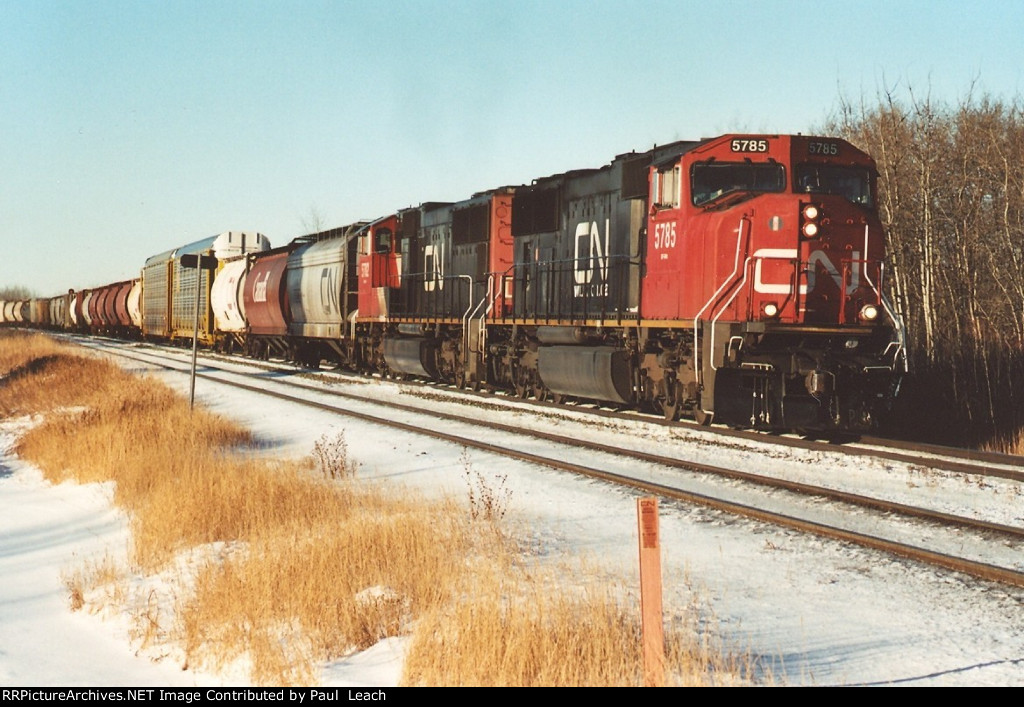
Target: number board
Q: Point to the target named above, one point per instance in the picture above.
(822, 148)
(748, 145)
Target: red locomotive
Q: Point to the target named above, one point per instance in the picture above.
(737, 279)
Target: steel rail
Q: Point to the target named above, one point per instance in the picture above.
(966, 566)
(892, 450)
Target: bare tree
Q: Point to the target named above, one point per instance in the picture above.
(314, 222)
(952, 200)
(15, 292)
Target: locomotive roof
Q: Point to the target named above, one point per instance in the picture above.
(655, 155)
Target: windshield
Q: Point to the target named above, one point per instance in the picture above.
(709, 181)
(854, 183)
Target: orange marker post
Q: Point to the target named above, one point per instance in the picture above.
(650, 592)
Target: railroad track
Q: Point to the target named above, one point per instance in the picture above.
(985, 548)
(930, 456)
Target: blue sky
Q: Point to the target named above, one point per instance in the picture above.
(128, 128)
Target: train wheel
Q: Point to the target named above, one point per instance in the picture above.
(540, 392)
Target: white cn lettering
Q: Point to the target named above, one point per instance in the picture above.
(815, 259)
(433, 267)
(820, 258)
(259, 288)
(329, 290)
(594, 253)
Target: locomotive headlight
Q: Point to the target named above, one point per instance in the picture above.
(771, 310)
(810, 220)
(868, 313)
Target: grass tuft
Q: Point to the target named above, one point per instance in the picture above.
(331, 457)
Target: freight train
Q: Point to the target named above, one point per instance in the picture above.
(738, 279)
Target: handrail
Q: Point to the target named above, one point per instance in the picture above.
(721, 288)
(471, 312)
(721, 310)
(901, 329)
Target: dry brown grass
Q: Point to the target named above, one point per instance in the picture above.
(172, 469)
(38, 375)
(98, 583)
(340, 578)
(1007, 445)
(528, 630)
(305, 563)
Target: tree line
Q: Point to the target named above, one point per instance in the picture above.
(15, 292)
(951, 196)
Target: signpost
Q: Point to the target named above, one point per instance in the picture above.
(199, 263)
(651, 592)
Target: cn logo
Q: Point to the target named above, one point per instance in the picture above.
(816, 258)
(259, 287)
(590, 256)
(433, 267)
(329, 290)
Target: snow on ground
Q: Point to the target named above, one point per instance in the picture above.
(811, 611)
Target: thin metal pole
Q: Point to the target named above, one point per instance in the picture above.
(195, 336)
